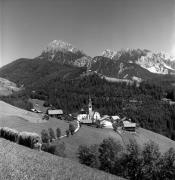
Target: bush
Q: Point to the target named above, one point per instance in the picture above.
(48, 148)
(97, 123)
(109, 151)
(131, 162)
(9, 134)
(67, 132)
(46, 104)
(56, 149)
(167, 170)
(151, 157)
(45, 136)
(58, 132)
(28, 139)
(89, 155)
(71, 128)
(51, 134)
(115, 126)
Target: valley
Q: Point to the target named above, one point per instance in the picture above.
(64, 78)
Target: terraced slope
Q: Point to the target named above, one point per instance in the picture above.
(19, 162)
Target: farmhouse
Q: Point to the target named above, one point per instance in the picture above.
(115, 118)
(107, 124)
(55, 112)
(129, 126)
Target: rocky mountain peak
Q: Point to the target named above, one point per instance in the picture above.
(60, 50)
(59, 45)
(109, 54)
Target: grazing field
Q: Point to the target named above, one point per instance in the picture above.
(21, 124)
(144, 135)
(88, 135)
(9, 110)
(19, 162)
(22, 120)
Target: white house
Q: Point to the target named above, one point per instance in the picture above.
(82, 115)
(107, 124)
(115, 118)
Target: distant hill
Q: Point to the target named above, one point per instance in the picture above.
(28, 72)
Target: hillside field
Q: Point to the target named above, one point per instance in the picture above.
(22, 120)
(88, 136)
(19, 162)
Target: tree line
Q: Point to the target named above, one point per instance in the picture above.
(134, 162)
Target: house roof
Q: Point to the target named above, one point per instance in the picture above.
(107, 124)
(128, 124)
(55, 112)
(115, 117)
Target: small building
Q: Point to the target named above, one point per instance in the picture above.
(129, 126)
(82, 116)
(36, 110)
(107, 124)
(55, 112)
(115, 118)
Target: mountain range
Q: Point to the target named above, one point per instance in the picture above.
(121, 63)
(63, 60)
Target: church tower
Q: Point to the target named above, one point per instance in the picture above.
(90, 106)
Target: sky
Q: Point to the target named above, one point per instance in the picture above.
(27, 26)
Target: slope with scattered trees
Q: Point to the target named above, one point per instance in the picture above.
(132, 163)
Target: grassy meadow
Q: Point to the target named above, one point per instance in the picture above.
(19, 162)
(22, 120)
(88, 136)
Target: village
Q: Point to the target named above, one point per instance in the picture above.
(91, 118)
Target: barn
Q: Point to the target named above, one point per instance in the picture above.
(129, 126)
(58, 113)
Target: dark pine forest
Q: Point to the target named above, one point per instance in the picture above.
(142, 104)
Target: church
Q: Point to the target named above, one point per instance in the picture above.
(90, 116)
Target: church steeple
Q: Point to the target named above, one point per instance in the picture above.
(90, 105)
